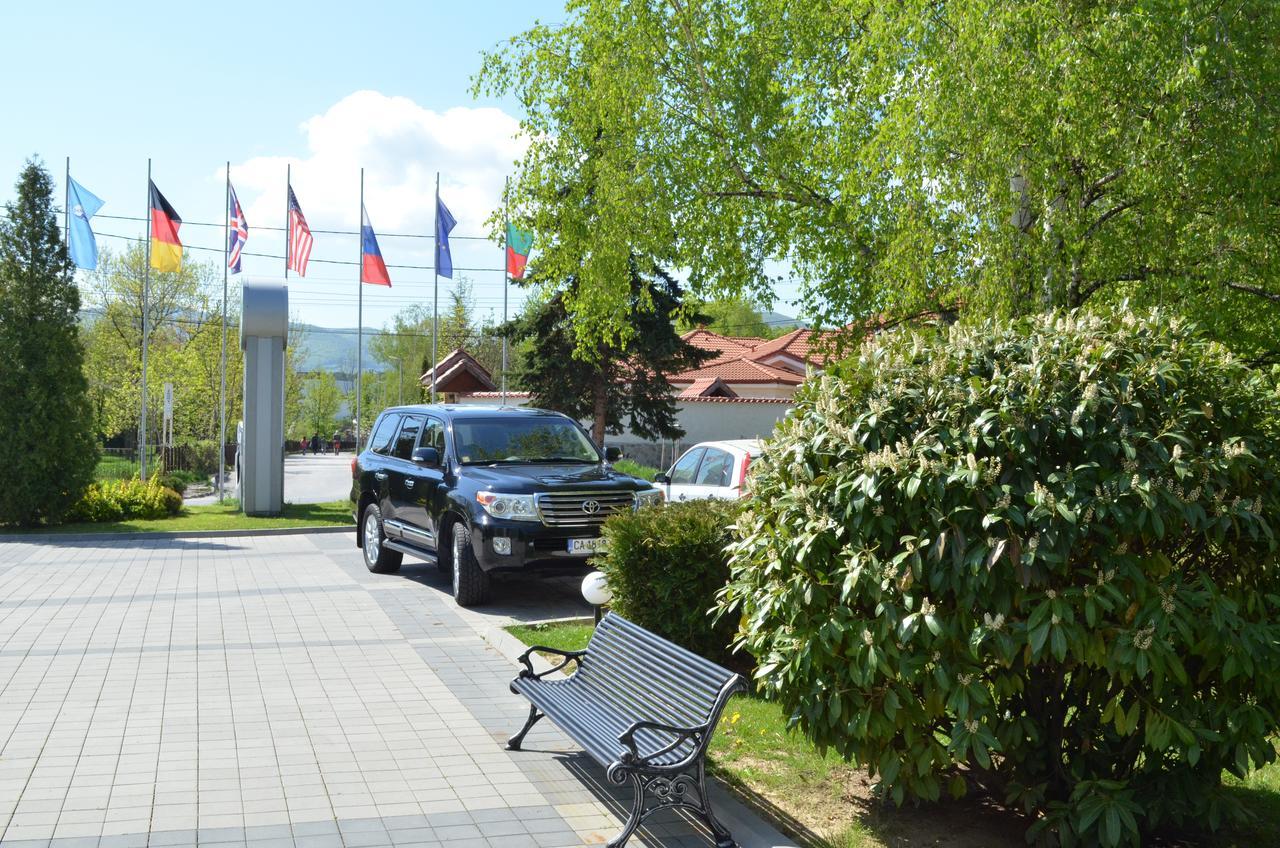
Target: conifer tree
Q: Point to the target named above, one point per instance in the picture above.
(47, 448)
(622, 380)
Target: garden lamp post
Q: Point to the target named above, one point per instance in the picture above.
(595, 589)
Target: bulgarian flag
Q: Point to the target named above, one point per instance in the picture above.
(166, 247)
(519, 243)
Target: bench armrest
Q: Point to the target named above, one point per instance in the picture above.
(683, 734)
(569, 656)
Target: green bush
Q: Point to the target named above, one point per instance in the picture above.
(635, 469)
(665, 564)
(180, 479)
(1043, 552)
(117, 500)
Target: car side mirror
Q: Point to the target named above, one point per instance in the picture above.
(612, 454)
(429, 457)
(661, 477)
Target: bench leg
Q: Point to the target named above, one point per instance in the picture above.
(674, 791)
(514, 743)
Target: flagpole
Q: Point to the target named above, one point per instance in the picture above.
(360, 313)
(288, 231)
(146, 288)
(222, 399)
(66, 212)
(435, 298)
(506, 280)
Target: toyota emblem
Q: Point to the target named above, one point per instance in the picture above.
(591, 507)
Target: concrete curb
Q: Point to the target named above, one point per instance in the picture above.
(143, 535)
(751, 827)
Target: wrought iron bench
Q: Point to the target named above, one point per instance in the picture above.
(643, 708)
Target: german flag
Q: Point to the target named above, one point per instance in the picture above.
(166, 248)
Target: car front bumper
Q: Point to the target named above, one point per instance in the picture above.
(533, 545)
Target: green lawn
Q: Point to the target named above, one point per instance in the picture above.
(225, 516)
(809, 792)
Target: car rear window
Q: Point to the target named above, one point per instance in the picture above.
(383, 433)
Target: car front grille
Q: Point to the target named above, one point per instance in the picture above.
(582, 509)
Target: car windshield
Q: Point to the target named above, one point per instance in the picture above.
(483, 441)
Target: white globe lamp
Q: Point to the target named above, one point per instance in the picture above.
(595, 589)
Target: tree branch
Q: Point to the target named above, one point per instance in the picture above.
(1255, 290)
(1108, 215)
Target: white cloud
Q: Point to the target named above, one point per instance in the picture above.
(400, 145)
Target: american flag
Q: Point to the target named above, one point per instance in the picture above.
(300, 240)
(239, 232)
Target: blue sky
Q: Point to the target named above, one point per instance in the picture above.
(326, 87)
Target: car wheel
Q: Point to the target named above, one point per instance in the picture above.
(470, 582)
(378, 558)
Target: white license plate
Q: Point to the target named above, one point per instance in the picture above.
(588, 546)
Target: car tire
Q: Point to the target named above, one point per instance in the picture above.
(378, 558)
(470, 582)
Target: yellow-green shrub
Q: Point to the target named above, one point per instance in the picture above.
(116, 500)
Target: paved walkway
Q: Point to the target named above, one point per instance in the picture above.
(268, 691)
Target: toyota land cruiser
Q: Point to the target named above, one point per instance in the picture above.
(478, 490)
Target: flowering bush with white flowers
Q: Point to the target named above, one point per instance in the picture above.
(1039, 558)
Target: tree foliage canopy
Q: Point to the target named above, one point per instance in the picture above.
(47, 449)
(612, 383)
(902, 156)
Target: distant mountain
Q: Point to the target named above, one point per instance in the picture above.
(334, 349)
(778, 321)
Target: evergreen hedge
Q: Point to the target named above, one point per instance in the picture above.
(665, 565)
(1042, 554)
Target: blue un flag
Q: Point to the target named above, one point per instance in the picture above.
(83, 205)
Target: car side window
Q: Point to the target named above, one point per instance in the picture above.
(383, 433)
(715, 469)
(433, 436)
(682, 473)
(407, 440)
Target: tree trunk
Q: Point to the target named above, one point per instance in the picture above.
(599, 409)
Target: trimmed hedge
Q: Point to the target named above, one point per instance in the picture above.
(117, 500)
(1042, 554)
(665, 565)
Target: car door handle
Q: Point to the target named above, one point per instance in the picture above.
(408, 483)
(380, 475)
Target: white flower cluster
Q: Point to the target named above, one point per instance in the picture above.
(971, 725)
(965, 679)
(1166, 601)
(995, 622)
(927, 607)
(867, 638)
(1143, 638)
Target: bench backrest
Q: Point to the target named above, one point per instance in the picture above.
(646, 677)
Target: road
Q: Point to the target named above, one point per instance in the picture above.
(308, 478)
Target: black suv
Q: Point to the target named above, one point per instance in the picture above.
(479, 489)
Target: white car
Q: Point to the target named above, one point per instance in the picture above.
(710, 470)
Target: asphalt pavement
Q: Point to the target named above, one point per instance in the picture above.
(308, 478)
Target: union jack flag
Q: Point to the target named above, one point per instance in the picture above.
(238, 229)
(298, 249)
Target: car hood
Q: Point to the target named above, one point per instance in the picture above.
(531, 478)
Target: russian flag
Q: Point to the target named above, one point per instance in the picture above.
(372, 268)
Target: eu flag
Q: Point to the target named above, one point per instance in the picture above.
(83, 205)
(444, 225)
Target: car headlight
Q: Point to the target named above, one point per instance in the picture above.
(514, 507)
(648, 497)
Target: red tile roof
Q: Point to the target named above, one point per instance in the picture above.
(740, 369)
(708, 387)
(707, 340)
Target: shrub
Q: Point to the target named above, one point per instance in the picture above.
(665, 564)
(117, 500)
(1044, 552)
(180, 479)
